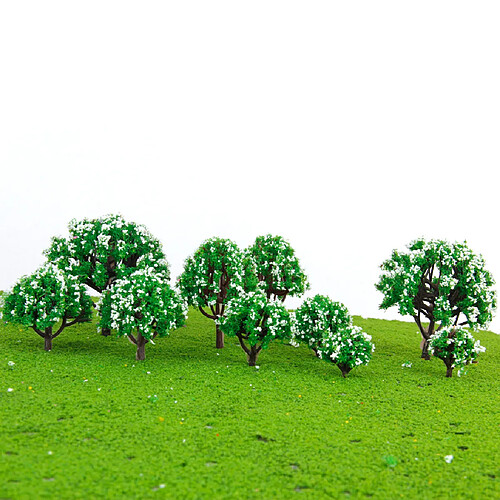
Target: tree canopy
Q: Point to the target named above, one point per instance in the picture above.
(439, 284)
(277, 267)
(98, 251)
(47, 298)
(142, 306)
(326, 327)
(317, 318)
(217, 271)
(256, 321)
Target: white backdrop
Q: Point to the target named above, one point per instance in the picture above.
(350, 128)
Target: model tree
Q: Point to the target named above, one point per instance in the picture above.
(456, 347)
(318, 318)
(217, 271)
(326, 327)
(141, 307)
(347, 348)
(100, 251)
(45, 299)
(439, 284)
(278, 269)
(256, 321)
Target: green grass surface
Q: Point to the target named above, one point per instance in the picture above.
(80, 422)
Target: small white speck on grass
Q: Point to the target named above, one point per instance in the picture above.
(217, 354)
(98, 388)
(11, 363)
(50, 453)
(149, 373)
(183, 440)
(257, 367)
(448, 459)
(10, 389)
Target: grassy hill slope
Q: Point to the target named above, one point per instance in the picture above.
(87, 421)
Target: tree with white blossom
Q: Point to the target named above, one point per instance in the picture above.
(317, 318)
(141, 307)
(256, 321)
(48, 301)
(326, 327)
(217, 271)
(456, 347)
(277, 267)
(102, 250)
(439, 284)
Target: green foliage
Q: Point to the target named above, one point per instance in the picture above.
(214, 418)
(318, 318)
(98, 251)
(326, 327)
(438, 281)
(142, 302)
(455, 346)
(213, 274)
(347, 348)
(278, 269)
(256, 321)
(44, 298)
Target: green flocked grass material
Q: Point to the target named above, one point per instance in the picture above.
(87, 421)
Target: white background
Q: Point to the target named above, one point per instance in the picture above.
(350, 128)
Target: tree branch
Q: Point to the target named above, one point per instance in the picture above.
(38, 331)
(206, 314)
(243, 346)
(61, 328)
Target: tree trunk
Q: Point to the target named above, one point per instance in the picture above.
(344, 369)
(252, 356)
(425, 349)
(48, 339)
(219, 337)
(140, 354)
(106, 332)
(449, 368)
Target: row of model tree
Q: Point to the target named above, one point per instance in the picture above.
(243, 291)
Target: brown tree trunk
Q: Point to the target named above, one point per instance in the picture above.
(344, 369)
(425, 349)
(48, 339)
(449, 368)
(140, 354)
(252, 355)
(219, 337)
